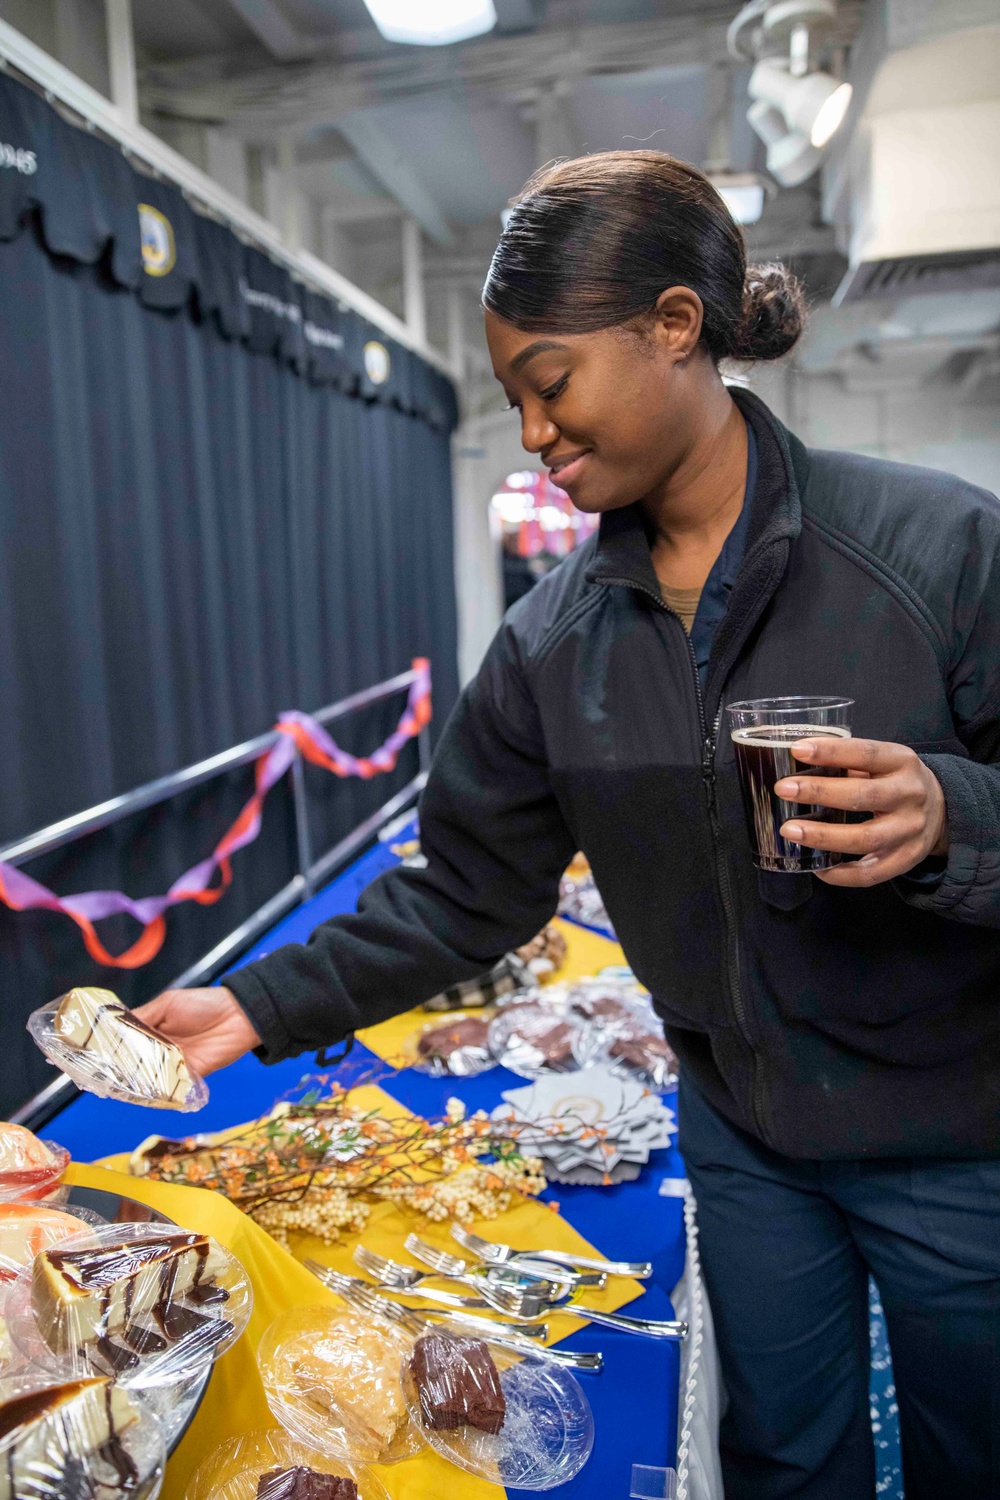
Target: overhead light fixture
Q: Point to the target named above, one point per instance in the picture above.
(743, 194)
(791, 156)
(432, 23)
(814, 104)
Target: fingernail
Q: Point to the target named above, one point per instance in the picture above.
(869, 859)
(803, 748)
(792, 831)
(787, 789)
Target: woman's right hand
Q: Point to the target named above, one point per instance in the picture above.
(210, 1026)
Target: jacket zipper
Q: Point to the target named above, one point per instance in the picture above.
(709, 739)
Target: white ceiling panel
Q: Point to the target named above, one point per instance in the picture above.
(661, 110)
(470, 155)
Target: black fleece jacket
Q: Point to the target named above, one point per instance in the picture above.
(830, 1023)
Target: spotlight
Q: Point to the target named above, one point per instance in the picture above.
(432, 23)
(813, 105)
(791, 156)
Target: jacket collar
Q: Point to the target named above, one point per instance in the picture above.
(623, 553)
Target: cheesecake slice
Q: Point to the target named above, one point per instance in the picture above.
(66, 1441)
(95, 1021)
(117, 1302)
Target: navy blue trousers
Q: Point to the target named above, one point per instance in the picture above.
(786, 1248)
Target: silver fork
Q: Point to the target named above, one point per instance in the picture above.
(499, 1255)
(391, 1276)
(523, 1269)
(359, 1294)
(416, 1323)
(527, 1304)
(462, 1307)
(390, 1273)
(490, 1301)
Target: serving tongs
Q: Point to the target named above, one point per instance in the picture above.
(357, 1294)
(494, 1254)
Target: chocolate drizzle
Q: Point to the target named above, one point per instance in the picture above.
(76, 1479)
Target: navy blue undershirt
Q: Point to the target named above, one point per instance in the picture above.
(714, 599)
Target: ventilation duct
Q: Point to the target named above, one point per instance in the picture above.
(924, 172)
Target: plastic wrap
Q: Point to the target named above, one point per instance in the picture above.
(150, 1304)
(76, 1439)
(106, 1050)
(580, 900)
(27, 1228)
(456, 1047)
(273, 1466)
(540, 1036)
(515, 1419)
(29, 1168)
(630, 1031)
(332, 1381)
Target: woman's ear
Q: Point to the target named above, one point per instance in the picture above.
(678, 318)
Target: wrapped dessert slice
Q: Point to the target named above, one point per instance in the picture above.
(107, 1050)
(29, 1168)
(148, 1304)
(28, 1228)
(273, 1466)
(332, 1380)
(79, 1439)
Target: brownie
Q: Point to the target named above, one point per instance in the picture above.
(444, 1040)
(304, 1484)
(607, 1008)
(555, 1044)
(457, 1383)
(639, 1051)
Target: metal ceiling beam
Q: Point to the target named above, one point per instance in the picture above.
(325, 89)
(382, 158)
(272, 27)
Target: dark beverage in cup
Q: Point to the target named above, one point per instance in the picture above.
(763, 733)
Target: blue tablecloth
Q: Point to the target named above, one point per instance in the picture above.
(635, 1399)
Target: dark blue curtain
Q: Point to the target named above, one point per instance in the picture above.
(194, 535)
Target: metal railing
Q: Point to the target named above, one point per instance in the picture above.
(311, 873)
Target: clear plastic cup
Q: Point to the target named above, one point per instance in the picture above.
(763, 732)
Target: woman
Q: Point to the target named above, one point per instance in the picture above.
(838, 1034)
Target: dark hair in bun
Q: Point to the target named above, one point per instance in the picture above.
(592, 243)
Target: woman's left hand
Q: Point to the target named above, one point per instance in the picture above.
(909, 819)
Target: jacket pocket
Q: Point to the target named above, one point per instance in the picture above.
(784, 892)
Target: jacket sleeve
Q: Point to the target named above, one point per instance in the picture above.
(969, 888)
(496, 845)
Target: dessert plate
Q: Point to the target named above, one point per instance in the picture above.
(331, 1378)
(235, 1469)
(547, 1430)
